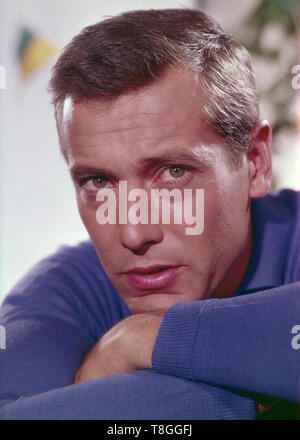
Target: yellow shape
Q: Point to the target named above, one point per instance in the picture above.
(35, 55)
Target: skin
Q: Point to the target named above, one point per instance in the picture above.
(118, 136)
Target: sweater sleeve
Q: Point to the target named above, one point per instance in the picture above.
(51, 319)
(250, 342)
(37, 369)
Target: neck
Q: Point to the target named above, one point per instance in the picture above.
(237, 270)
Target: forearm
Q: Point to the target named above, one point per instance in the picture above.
(139, 395)
(37, 370)
(243, 342)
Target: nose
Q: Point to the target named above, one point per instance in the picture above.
(138, 238)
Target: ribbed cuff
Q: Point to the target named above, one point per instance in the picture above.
(174, 346)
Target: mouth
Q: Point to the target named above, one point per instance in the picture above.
(152, 277)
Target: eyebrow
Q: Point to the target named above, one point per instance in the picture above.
(178, 156)
(80, 171)
(197, 161)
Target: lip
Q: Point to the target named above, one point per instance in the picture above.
(153, 277)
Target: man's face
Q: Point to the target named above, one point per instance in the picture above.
(157, 138)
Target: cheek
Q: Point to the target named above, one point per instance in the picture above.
(101, 235)
(230, 192)
(86, 213)
(226, 212)
(103, 238)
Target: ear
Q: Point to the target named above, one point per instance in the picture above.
(260, 160)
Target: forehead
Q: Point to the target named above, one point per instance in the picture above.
(166, 115)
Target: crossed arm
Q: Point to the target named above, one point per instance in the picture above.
(250, 343)
(244, 343)
(38, 367)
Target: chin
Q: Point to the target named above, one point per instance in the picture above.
(153, 302)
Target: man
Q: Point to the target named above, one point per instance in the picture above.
(150, 321)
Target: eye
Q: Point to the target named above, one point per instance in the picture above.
(175, 175)
(176, 171)
(93, 183)
(98, 182)
(172, 173)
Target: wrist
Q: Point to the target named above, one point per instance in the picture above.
(141, 337)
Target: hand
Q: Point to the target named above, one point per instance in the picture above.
(125, 347)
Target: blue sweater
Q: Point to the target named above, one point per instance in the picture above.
(211, 357)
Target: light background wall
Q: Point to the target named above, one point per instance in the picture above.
(37, 205)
